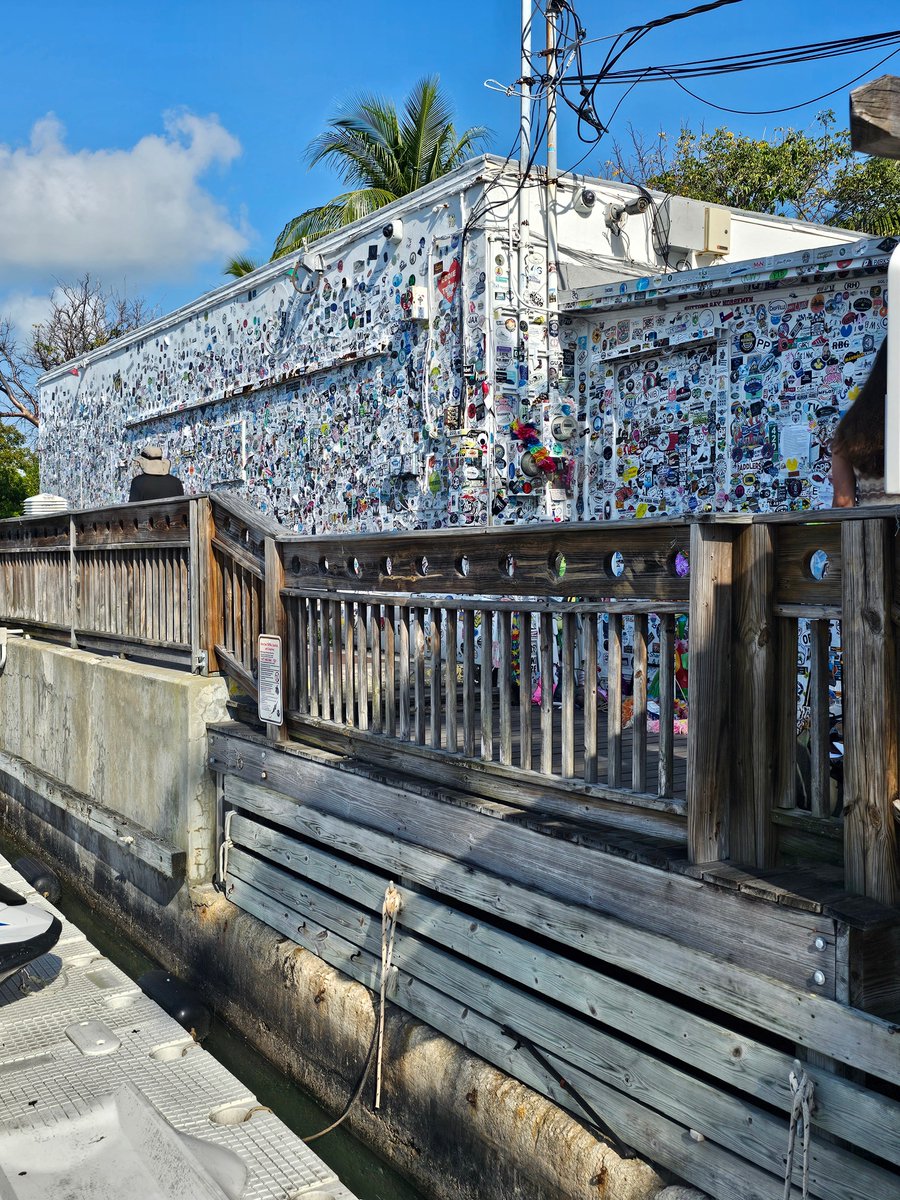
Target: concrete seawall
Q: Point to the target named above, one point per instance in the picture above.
(84, 739)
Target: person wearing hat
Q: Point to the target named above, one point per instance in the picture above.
(153, 480)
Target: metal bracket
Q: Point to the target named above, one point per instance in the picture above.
(201, 663)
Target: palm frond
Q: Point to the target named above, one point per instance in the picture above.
(240, 266)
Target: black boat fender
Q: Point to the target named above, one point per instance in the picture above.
(179, 1000)
(42, 879)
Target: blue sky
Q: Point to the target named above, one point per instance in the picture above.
(149, 143)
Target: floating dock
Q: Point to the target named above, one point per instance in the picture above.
(98, 1085)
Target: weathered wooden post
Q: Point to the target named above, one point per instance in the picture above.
(206, 579)
(755, 642)
(73, 584)
(709, 690)
(870, 710)
(875, 117)
(275, 620)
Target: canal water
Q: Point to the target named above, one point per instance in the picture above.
(363, 1172)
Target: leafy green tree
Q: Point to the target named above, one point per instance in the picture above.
(381, 154)
(18, 472)
(810, 174)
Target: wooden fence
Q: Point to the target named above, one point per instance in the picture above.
(653, 673)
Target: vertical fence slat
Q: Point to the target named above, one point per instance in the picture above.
(349, 663)
(403, 666)
(419, 673)
(589, 642)
(362, 666)
(337, 659)
(487, 685)
(614, 702)
(450, 660)
(567, 673)
(786, 713)
(325, 709)
(312, 629)
(375, 638)
(546, 693)
(504, 682)
(469, 683)
(639, 709)
(390, 670)
(435, 725)
(302, 656)
(525, 689)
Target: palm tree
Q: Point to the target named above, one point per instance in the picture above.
(383, 154)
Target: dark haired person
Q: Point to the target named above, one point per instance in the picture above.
(154, 480)
(857, 449)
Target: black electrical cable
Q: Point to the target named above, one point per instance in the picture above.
(768, 112)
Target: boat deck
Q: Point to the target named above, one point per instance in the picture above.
(86, 1058)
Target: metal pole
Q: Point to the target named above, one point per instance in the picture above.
(525, 118)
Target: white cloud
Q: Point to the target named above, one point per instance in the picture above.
(25, 310)
(141, 211)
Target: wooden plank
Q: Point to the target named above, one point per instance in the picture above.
(303, 688)
(324, 631)
(590, 698)
(435, 640)
(639, 710)
(275, 623)
(709, 748)
(231, 666)
(468, 683)
(450, 661)
(567, 673)
(315, 682)
(666, 704)
(487, 686)
(870, 713)
(375, 642)
(128, 837)
(748, 1130)
(737, 1060)
(525, 686)
(649, 1132)
(751, 836)
(496, 780)
(796, 1013)
(733, 927)
(504, 685)
(404, 675)
(614, 703)
(418, 648)
(547, 682)
(362, 666)
(335, 638)
(349, 641)
(786, 714)
(390, 670)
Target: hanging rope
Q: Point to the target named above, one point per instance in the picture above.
(389, 912)
(227, 844)
(802, 1104)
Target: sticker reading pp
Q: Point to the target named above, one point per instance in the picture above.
(269, 703)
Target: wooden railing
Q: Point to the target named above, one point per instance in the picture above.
(541, 662)
(122, 579)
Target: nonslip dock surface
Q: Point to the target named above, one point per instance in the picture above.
(80, 1042)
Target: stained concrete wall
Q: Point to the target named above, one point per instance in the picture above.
(128, 736)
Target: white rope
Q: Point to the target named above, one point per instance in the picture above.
(389, 912)
(226, 845)
(802, 1104)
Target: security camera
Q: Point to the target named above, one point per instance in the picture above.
(393, 231)
(585, 201)
(637, 206)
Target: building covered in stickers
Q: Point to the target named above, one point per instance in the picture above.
(467, 356)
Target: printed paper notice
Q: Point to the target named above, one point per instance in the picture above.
(795, 446)
(269, 704)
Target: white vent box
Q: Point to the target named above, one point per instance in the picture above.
(693, 225)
